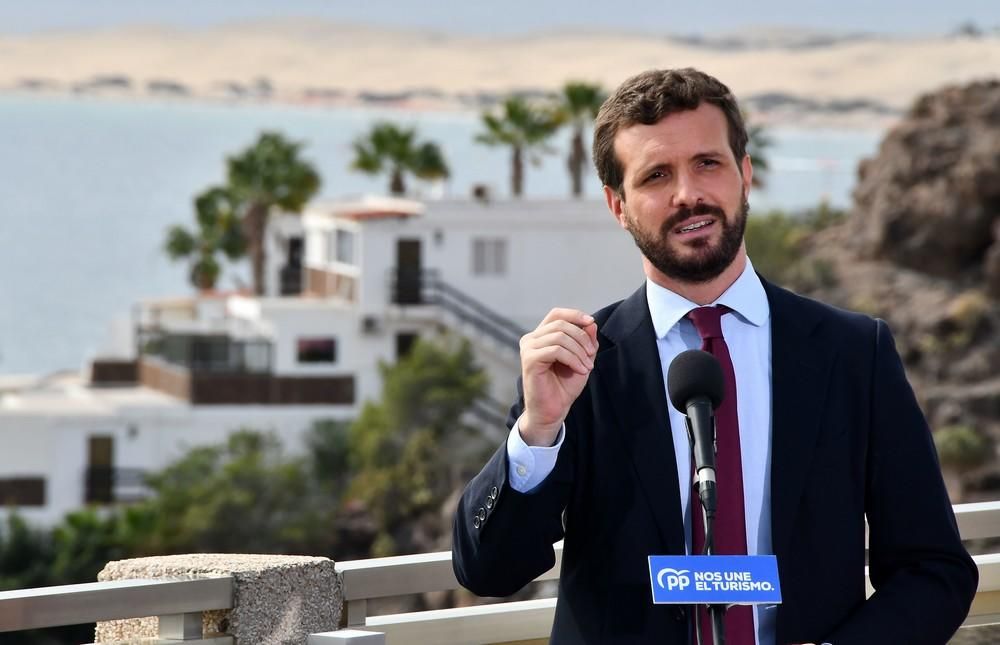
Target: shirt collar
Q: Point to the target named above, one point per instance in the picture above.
(745, 296)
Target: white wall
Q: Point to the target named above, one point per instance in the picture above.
(561, 253)
(291, 320)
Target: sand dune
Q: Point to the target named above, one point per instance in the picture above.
(295, 56)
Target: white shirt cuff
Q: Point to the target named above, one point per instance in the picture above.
(530, 465)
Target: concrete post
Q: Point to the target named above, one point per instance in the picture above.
(277, 599)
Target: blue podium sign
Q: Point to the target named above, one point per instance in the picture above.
(715, 579)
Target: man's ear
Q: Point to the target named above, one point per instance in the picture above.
(747, 167)
(616, 204)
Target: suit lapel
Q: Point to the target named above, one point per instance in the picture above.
(800, 371)
(631, 372)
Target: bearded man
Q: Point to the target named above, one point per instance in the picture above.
(821, 430)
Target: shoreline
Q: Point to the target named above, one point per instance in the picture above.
(803, 119)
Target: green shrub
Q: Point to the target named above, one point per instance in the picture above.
(960, 447)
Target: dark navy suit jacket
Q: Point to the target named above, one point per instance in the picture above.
(848, 441)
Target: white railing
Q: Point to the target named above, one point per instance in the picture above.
(178, 603)
(366, 580)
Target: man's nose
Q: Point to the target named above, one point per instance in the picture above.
(686, 191)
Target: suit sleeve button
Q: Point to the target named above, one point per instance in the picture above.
(489, 502)
(476, 522)
(482, 514)
(494, 492)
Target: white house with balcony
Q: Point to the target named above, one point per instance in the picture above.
(349, 284)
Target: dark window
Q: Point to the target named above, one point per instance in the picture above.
(100, 487)
(22, 491)
(317, 350)
(404, 343)
(409, 272)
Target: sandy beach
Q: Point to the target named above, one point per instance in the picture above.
(299, 61)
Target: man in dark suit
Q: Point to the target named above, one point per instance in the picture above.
(825, 432)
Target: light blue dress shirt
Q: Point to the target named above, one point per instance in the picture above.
(748, 334)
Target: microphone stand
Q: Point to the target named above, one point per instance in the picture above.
(707, 502)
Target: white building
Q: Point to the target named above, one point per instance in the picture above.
(349, 284)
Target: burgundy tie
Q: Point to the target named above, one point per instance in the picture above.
(730, 520)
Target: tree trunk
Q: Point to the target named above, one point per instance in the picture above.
(254, 223)
(576, 161)
(397, 187)
(204, 280)
(517, 171)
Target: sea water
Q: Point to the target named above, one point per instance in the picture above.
(89, 186)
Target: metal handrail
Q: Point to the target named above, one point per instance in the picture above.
(408, 574)
(98, 601)
(482, 325)
(434, 291)
(478, 307)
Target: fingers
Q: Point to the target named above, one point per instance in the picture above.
(574, 316)
(556, 354)
(562, 333)
(577, 324)
(564, 337)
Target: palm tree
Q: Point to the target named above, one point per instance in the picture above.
(268, 174)
(523, 127)
(757, 144)
(218, 232)
(391, 148)
(579, 105)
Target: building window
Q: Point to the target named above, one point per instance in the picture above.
(404, 344)
(100, 488)
(22, 491)
(345, 246)
(489, 256)
(340, 246)
(317, 350)
(331, 246)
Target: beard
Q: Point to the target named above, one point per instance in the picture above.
(710, 261)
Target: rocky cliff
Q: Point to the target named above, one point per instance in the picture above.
(921, 249)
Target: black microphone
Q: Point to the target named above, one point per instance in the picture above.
(696, 387)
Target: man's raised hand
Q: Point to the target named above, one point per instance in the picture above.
(556, 360)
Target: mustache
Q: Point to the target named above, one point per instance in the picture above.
(701, 208)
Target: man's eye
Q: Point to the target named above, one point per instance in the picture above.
(655, 175)
(710, 163)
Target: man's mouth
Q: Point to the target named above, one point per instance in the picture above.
(694, 226)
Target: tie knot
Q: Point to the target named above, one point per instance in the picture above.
(708, 320)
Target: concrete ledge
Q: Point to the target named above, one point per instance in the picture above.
(277, 599)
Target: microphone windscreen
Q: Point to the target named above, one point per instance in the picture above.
(692, 374)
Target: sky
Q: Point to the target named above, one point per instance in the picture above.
(512, 17)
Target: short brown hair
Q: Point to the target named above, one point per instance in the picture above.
(648, 97)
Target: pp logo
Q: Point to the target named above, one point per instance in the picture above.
(676, 579)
